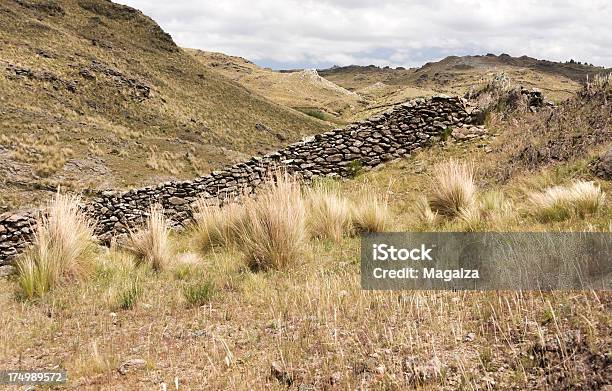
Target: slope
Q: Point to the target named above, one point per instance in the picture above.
(303, 90)
(95, 94)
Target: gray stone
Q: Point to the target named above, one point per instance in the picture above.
(177, 201)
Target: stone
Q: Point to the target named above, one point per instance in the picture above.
(127, 366)
(7, 270)
(177, 201)
(601, 167)
(279, 373)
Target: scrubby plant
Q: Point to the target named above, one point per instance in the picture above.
(453, 188)
(216, 225)
(371, 213)
(198, 293)
(62, 248)
(329, 214)
(273, 234)
(562, 202)
(151, 245)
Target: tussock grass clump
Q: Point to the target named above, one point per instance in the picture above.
(216, 225)
(562, 202)
(151, 245)
(371, 213)
(273, 234)
(425, 216)
(329, 214)
(62, 248)
(453, 188)
(128, 293)
(198, 293)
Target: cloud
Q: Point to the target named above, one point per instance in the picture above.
(307, 33)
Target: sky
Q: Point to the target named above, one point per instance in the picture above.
(286, 34)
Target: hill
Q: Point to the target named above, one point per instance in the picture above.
(303, 90)
(456, 75)
(95, 94)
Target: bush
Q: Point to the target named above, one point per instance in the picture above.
(151, 245)
(329, 214)
(560, 202)
(62, 248)
(453, 188)
(371, 213)
(199, 293)
(273, 234)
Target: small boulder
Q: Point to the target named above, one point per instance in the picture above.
(602, 166)
(7, 270)
(136, 363)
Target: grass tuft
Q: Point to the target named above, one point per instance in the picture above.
(216, 225)
(453, 189)
(425, 216)
(562, 202)
(273, 233)
(129, 293)
(371, 213)
(151, 245)
(198, 293)
(62, 248)
(329, 214)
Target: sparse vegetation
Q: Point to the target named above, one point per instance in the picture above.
(128, 293)
(265, 293)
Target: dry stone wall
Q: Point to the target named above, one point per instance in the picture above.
(364, 145)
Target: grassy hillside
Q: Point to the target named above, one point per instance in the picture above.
(95, 94)
(202, 311)
(457, 75)
(302, 90)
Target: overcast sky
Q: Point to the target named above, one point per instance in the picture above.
(316, 34)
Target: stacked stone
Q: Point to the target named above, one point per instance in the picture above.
(16, 231)
(366, 144)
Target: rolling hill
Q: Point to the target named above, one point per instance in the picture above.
(96, 95)
(303, 90)
(456, 75)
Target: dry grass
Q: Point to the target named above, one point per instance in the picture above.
(151, 245)
(453, 188)
(216, 225)
(422, 210)
(274, 234)
(562, 202)
(62, 248)
(329, 213)
(371, 212)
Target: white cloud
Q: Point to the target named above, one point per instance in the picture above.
(310, 33)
